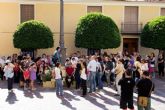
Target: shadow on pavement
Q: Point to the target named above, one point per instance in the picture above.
(95, 102)
(66, 103)
(70, 97)
(31, 94)
(11, 98)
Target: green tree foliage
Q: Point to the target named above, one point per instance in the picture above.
(96, 31)
(33, 35)
(153, 34)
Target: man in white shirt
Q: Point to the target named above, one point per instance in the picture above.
(92, 66)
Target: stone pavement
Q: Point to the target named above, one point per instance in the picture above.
(46, 99)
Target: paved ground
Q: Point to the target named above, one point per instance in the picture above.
(46, 99)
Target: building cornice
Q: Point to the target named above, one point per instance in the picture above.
(90, 2)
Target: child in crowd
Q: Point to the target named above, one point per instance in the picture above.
(26, 75)
(32, 70)
(58, 78)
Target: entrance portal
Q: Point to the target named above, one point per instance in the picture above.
(130, 45)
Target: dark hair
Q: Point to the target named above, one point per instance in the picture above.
(146, 73)
(153, 54)
(99, 59)
(128, 72)
(57, 48)
(9, 57)
(85, 65)
(37, 59)
(73, 58)
(78, 67)
(43, 54)
(138, 59)
(121, 60)
(57, 64)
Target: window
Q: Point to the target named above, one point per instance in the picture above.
(94, 9)
(27, 12)
(130, 24)
(131, 14)
(162, 12)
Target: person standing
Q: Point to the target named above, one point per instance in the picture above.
(92, 66)
(9, 74)
(16, 72)
(77, 75)
(99, 73)
(56, 56)
(152, 65)
(119, 71)
(127, 85)
(108, 66)
(145, 86)
(161, 66)
(58, 78)
(69, 75)
(33, 70)
(144, 65)
(84, 79)
(138, 69)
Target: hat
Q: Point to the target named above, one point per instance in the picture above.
(8, 61)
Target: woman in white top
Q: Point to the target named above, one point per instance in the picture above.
(58, 78)
(84, 78)
(144, 65)
(8, 73)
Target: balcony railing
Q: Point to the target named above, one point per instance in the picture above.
(131, 28)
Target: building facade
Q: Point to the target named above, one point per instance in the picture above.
(130, 17)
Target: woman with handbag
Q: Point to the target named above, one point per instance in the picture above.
(145, 87)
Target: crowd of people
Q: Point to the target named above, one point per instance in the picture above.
(89, 73)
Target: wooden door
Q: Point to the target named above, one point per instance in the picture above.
(130, 45)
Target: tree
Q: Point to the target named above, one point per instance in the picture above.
(32, 35)
(96, 31)
(153, 34)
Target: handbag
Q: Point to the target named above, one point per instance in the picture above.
(142, 100)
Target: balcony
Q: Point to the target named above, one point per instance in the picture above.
(131, 28)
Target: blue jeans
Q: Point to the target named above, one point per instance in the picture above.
(92, 81)
(59, 87)
(145, 108)
(99, 81)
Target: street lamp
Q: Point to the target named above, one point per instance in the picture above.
(61, 42)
